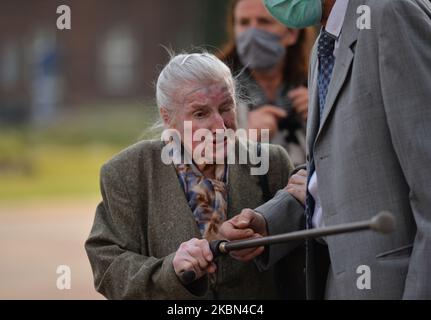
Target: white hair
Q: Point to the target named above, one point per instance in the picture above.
(186, 70)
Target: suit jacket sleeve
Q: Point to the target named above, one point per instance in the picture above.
(405, 67)
(120, 267)
(283, 214)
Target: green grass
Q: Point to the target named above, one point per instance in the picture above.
(114, 125)
(63, 172)
(63, 159)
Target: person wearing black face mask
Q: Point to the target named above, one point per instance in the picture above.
(270, 61)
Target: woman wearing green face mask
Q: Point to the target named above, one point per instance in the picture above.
(271, 61)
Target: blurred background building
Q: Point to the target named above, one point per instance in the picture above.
(69, 100)
(111, 52)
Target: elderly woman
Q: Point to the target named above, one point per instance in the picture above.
(155, 219)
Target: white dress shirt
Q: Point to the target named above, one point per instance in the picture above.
(334, 26)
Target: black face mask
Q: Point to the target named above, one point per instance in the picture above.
(259, 50)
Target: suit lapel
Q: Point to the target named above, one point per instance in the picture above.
(313, 115)
(342, 65)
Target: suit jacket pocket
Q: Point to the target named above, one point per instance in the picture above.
(401, 252)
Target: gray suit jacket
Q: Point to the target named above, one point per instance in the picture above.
(372, 151)
(144, 217)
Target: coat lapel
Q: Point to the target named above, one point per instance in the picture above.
(173, 200)
(342, 65)
(313, 114)
(242, 193)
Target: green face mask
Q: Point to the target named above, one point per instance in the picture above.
(296, 14)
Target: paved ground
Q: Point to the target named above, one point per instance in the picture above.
(35, 239)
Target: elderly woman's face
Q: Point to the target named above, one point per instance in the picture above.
(210, 107)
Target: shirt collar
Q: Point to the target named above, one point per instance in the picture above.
(336, 18)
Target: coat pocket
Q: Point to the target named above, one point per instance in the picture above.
(401, 252)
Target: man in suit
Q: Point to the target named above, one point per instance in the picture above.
(369, 149)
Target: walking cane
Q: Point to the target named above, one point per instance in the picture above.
(383, 222)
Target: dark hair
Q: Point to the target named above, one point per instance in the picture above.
(296, 60)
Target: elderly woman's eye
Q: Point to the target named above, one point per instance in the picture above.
(199, 114)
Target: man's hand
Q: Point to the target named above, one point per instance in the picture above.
(248, 224)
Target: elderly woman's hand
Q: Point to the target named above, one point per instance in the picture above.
(297, 186)
(194, 255)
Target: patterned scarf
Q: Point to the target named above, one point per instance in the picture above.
(207, 198)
